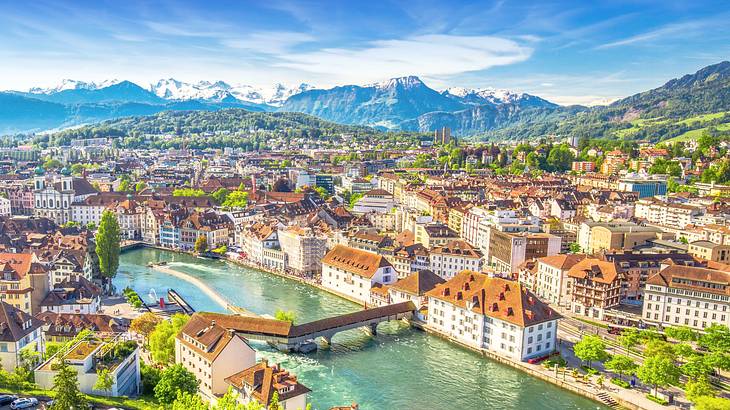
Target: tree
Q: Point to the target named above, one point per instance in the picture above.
(52, 163)
(681, 333)
(162, 339)
(145, 324)
(699, 387)
(712, 403)
(560, 158)
(274, 403)
(140, 186)
(188, 401)
(66, 386)
(630, 338)
(716, 338)
(658, 371)
(77, 169)
(150, 377)
(574, 247)
(124, 186)
(286, 316)
(104, 380)
(107, 245)
(188, 192)
(220, 195)
(354, 198)
(174, 380)
(621, 364)
(228, 402)
(201, 244)
(658, 347)
(590, 349)
(236, 199)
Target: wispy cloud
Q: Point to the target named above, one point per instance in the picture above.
(427, 55)
(269, 42)
(668, 31)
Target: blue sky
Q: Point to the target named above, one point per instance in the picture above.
(566, 51)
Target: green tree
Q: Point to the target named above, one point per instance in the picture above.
(575, 248)
(107, 245)
(162, 339)
(124, 186)
(590, 349)
(658, 347)
(658, 371)
(220, 195)
(188, 192)
(716, 338)
(104, 380)
(274, 403)
(174, 380)
(712, 403)
(145, 324)
(630, 338)
(52, 163)
(140, 186)
(621, 364)
(66, 386)
(201, 244)
(681, 333)
(560, 158)
(77, 169)
(236, 199)
(699, 387)
(286, 316)
(188, 401)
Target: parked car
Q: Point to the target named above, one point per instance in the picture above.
(24, 403)
(7, 399)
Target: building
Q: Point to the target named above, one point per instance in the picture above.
(304, 249)
(594, 286)
(583, 166)
(617, 236)
(88, 356)
(24, 281)
(213, 352)
(551, 279)
(494, 314)
(54, 195)
(63, 327)
(260, 382)
(5, 208)
(76, 295)
(18, 331)
(434, 234)
(709, 251)
(508, 250)
(448, 260)
(414, 288)
(442, 136)
(687, 296)
(353, 272)
(645, 185)
(667, 214)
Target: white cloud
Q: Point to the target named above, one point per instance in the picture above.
(427, 55)
(270, 42)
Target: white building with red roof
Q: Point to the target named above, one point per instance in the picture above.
(353, 272)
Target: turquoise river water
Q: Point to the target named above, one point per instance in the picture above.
(400, 368)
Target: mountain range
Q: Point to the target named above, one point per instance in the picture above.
(404, 103)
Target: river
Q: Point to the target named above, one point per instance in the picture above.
(401, 368)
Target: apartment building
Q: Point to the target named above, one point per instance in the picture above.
(493, 314)
(304, 249)
(551, 279)
(508, 250)
(353, 272)
(24, 281)
(687, 296)
(666, 213)
(259, 383)
(208, 348)
(448, 260)
(18, 330)
(594, 286)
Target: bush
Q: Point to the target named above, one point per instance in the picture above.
(591, 371)
(621, 383)
(656, 399)
(150, 377)
(551, 362)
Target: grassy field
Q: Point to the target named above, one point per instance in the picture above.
(694, 121)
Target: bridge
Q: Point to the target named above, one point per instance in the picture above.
(288, 337)
(184, 305)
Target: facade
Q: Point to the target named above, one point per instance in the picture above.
(583, 166)
(508, 250)
(594, 287)
(551, 279)
(619, 236)
(353, 272)
(687, 296)
(260, 382)
(54, 195)
(645, 185)
(5, 208)
(213, 353)
(75, 295)
(24, 281)
(18, 331)
(304, 250)
(493, 314)
(709, 251)
(448, 260)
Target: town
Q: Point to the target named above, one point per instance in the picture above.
(598, 266)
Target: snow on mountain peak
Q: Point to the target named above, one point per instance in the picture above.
(489, 94)
(406, 82)
(172, 89)
(68, 84)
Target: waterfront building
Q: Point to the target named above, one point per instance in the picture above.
(18, 330)
(414, 288)
(212, 352)
(687, 296)
(304, 249)
(408, 259)
(448, 260)
(353, 272)
(493, 314)
(260, 382)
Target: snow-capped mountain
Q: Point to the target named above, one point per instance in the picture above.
(68, 84)
(480, 96)
(171, 89)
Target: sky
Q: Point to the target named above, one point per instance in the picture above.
(569, 52)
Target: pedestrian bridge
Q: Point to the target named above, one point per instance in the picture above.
(286, 336)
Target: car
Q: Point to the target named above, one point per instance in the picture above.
(24, 403)
(7, 399)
